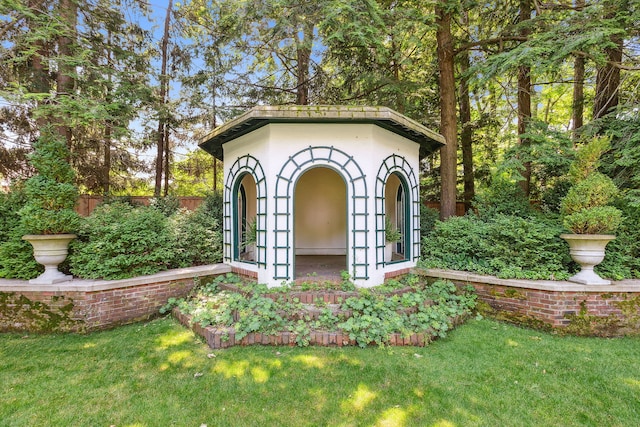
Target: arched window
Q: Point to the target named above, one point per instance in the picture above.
(401, 220)
(245, 219)
(397, 221)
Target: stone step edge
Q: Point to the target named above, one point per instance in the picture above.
(328, 296)
(220, 338)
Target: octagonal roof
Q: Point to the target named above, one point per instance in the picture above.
(263, 115)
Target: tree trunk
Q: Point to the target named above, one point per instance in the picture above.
(167, 160)
(39, 66)
(578, 95)
(448, 153)
(162, 114)
(303, 53)
(466, 134)
(215, 175)
(107, 159)
(577, 108)
(608, 81)
(396, 67)
(106, 164)
(524, 100)
(64, 79)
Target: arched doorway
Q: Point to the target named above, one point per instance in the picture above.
(320, 224)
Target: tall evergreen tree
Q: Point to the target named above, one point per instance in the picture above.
(448, 128)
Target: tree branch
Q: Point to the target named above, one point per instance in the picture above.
(496, 40)
(612, 63)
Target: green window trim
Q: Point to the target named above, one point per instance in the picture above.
(399, 166)
(243, 165)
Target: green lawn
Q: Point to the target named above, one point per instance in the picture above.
(160, 374)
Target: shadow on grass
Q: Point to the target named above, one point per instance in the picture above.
(159, 373)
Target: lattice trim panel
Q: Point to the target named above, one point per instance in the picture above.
(400, 166)
(357, 214)
(243, 165)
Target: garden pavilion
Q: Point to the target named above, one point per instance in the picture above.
(310, 190)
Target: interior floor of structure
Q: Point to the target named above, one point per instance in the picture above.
(320, 267)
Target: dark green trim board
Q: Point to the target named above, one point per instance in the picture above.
(383, 117)
(245, 165)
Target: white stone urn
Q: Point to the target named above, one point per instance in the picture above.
(588, 251)
(388, 251)
(50, 250)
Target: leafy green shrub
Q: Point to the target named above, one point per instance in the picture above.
(198, 237)
(16, 255)
(505, 246)
(119, 241)
(428, 219)
(595, 220)
(526, 248)
(213, 205)
(51, 194)
(457, 243)
(553, 195)
(585, 207)
(622, 259)
(198, 234)
(594, 191)
(168, 205)
(504, 196)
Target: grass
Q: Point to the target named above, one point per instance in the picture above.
(159, 374)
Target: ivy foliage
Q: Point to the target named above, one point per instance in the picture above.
(372, 316)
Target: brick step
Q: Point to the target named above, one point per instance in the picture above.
(219, 338)
(315, 301)
(328, 296)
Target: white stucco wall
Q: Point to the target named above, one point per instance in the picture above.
(364, 148)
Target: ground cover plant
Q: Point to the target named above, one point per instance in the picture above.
(483, 373)
(368, 316)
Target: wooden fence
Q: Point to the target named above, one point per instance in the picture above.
(87, 203)
(436, 205)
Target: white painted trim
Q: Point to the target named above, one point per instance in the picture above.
(321, 251)
(542, 285)
(83, 285)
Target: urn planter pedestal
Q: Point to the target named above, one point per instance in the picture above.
(388, 251)
(588, 250)
(50, 250)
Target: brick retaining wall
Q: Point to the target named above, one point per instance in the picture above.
(85, 305)
(604, 310)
